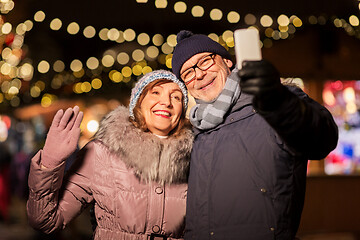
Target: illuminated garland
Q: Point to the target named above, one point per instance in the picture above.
(11, 58)
(286, 27)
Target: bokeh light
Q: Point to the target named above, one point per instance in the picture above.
(89, 32)
(39, 16)
(152, 52)
(92, 126)
(216, 14)
(55, 24)
(73, 28)
(266, 21)
(138, 55)
(43, 66)
(180, 7)
(197, 11)
(58, 66)
(122, 58)
(158, 40)
(250, 19)
(96, 83)
(113, 34)
(76, 65)
(108, 61)
(129, 35)
(143, 39)
(92, 63)
(233, 17)
(161, 3)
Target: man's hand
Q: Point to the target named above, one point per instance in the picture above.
(63, 137)
(261, 79)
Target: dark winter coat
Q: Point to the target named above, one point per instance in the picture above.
(247, 176)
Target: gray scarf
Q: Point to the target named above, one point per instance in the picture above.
(206, 115)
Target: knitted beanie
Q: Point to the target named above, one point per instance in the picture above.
(150, 77)
(189, 44)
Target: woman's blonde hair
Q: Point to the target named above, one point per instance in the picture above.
(139, 121)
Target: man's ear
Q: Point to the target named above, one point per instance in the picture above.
(228, 62)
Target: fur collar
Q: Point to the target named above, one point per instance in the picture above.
(151, 158)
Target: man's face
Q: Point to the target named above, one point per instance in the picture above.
(207, 84)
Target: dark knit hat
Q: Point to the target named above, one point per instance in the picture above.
(189, 44)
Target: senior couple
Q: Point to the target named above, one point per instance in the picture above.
(239, 173)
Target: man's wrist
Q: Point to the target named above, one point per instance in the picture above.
(270, 100)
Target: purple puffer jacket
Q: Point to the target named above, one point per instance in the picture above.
(137, 181)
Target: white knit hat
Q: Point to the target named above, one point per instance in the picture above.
(150, 77)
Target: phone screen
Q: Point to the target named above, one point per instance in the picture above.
(247, 45)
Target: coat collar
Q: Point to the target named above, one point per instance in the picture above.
(243, 101)
(151, 158)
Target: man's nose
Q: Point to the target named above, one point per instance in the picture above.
(199, 73)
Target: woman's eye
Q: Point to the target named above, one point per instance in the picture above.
(178, 98)
(155, 92)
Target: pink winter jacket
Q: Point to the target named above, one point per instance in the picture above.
(136, 180)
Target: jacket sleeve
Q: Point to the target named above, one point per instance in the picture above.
(306, 126)
(54, 200)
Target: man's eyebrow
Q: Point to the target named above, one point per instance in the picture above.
(195, 62)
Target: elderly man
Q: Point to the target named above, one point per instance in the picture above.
(254, 137)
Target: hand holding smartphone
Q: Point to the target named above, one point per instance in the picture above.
(247, 45)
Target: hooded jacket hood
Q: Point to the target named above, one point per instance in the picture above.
(151, 158)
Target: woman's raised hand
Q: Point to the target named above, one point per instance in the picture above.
(63, 137)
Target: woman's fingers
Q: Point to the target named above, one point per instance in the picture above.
(57, 118)
(73, 118)
(68, 120)
(65, 119)
(78, 120)
(75, 135)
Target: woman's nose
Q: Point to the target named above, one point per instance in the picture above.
(165, 100)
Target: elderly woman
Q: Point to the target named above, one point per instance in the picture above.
(134, 170)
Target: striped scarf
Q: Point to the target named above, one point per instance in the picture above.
(206, 116)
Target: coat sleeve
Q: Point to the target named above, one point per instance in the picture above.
(305, 126)
(54, 200)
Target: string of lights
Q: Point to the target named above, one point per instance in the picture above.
(17, 73)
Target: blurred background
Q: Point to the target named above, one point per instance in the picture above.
(57, 54)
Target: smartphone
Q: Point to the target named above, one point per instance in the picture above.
(247, 45)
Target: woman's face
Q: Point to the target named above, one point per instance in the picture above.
(162, 107)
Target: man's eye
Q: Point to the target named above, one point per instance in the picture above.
(186, 74)
(205, 62)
